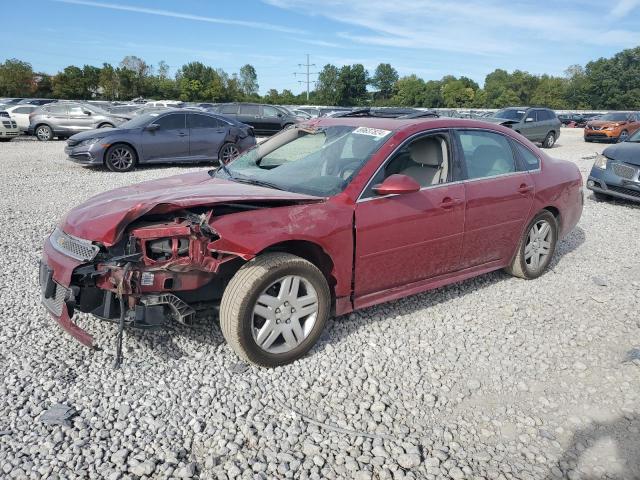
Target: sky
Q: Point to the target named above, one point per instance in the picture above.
(430, 38)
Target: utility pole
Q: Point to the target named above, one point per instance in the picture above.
(308, 74)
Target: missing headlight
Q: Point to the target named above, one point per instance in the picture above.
(167, 248)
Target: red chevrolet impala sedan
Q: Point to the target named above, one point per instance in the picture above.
(324, 218)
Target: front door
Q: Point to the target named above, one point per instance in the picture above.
(169, 142)
(271, 118)
(407, 238)
(250, 114)
(80, 118)
(498, 198)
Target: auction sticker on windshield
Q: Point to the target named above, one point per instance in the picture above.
(373, 132)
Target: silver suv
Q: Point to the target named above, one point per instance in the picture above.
(63, 119)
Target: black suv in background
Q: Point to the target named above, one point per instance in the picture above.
(536, 124)
(265, 119)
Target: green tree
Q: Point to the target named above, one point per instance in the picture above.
(352, 85)
(550, 92)
(16, 78)
(249, 81)
(69, 84)
(410, 91)
(384, 79)
(108, 82)
(327, 85)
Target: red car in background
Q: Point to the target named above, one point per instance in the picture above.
(326, 217)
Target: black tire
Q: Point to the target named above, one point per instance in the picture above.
(623, 136)
(43, 133)
(228, 152)
(601, 197)
(120, 158)
(549, 140)
(239, 299)
(521, 266)
(6, 139)
(106, 125)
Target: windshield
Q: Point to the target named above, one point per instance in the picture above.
(635, 138)
(319, 161)
(510, 114)
(614, 117)
(140, 120)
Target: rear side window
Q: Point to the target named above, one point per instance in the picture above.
(486, 154)
(249, 110)
(203, 121)
(529, 160)
(57, 109)
(24, 110)
(174, 121)
(228, 109)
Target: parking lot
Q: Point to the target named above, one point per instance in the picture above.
(494, 378)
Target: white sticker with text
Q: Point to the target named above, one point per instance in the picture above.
(373, 132)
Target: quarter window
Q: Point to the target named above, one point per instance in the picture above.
(529, 160)
(171, 122)
(486, 154)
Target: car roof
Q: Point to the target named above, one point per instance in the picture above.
(399, 124)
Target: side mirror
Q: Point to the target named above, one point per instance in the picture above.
(397, 185)
(280, 115)
(152, 127)
(86, 112)
(528, 119)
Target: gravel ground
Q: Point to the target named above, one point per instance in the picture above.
(492, 378)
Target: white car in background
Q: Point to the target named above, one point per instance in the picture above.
(8, 129)
(20, 114)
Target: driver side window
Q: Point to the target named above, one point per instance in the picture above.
(426, 159)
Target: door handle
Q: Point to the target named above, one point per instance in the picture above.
(524, 188)
(449, 202)
(182, 134)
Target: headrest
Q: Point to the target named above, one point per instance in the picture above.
(426, 151)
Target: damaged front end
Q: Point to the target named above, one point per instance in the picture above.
(161, 270)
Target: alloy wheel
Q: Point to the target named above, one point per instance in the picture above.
(284, 314)
(228, 153)
(43, 133)
(121, 158)
(538, 246)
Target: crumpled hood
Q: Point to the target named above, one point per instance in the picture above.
(500, 121)
(628, 152)
(104, 217)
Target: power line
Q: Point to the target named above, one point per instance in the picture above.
(308, 74)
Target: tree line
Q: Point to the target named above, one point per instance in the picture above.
(607, 83)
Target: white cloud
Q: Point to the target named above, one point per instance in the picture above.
(184, 16)
(479, 27)
(623, 7)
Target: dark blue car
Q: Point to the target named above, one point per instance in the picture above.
(168, 136)
(616, 172)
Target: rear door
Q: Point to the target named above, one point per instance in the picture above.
(250, 114)
(170, 142)
(206, 136)
(498, 198)
(56, 115)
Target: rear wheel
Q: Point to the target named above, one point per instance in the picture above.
(121, 158)
(601, 197)
(274, 309)
(44, 133)
(228, 152)
(536, 247)
(549, 140)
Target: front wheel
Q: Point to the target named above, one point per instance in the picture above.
(623, 136)
(106, 125)
(274, 309)
(536, 247)
(228, 152)
(549, 140)
(121, 158)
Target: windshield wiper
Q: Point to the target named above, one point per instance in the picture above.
(223, 167)
(260, 183)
